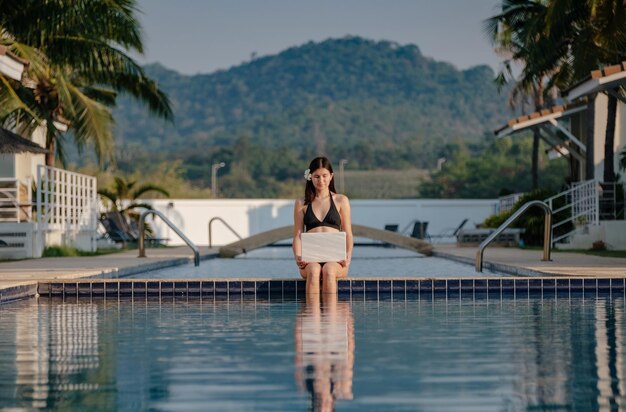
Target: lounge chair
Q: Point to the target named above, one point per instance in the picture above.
(420, 230)
(149, 238)
(448, 233)
(117, 229)
(120, 230)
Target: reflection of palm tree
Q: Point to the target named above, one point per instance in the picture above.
(324, 338)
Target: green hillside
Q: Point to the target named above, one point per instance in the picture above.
(378, 104)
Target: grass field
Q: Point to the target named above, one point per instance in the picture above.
(379, 184)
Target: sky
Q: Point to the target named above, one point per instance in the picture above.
(202, 36)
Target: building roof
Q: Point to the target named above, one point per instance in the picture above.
(14, 143)
(10, 64)
(607, 78)
(537, 118)
(4, 51)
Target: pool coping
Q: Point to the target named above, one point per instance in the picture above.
(495, 267)
(29, 288)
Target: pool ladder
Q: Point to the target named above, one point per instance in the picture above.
(142, 234)
(547, 231)
(229, 227)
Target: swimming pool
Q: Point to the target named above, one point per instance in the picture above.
(278, 263)
(557, 353)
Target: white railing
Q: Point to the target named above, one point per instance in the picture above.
(582, 201)
(15, 200)
(67, 205)
(506, 203)
(612, 206)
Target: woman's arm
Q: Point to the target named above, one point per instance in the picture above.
(298, 228)
(346, 226)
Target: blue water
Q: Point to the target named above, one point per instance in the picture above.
(278, 263)
(442, 355)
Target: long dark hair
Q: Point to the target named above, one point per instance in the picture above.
(309, 190)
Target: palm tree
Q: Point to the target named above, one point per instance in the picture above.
(78, 66)
(125, 194)
(585, 36)
(516, 35)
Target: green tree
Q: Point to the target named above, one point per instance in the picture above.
(499, 167)
(78, 65)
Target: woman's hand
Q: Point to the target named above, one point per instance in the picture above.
(346, 262)
(301, 263)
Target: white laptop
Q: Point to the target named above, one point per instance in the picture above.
(323, 247)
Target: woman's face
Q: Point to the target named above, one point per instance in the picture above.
(321, 178)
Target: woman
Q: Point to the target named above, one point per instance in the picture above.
(321, 210)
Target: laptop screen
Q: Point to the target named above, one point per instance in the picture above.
(323, 247)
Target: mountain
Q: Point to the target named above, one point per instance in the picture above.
(376, 103)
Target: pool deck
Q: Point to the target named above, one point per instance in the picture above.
(524, 262)
(19, 279)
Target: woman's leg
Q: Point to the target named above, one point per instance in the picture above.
(312, 273)
(330, 273)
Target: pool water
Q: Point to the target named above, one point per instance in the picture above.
(278, 263)
(423, 354)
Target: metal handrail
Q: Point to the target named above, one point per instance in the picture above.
(583, 201)
(225, 224)
(142, 232)
(547, 231)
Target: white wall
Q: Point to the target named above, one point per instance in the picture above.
(252, 216)
(600, 133)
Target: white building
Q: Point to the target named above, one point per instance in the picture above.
(577, 131)
(66, 202)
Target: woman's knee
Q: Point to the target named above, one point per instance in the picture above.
(330, 271)
(313, 270)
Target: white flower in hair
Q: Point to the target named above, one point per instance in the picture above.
(307, 174)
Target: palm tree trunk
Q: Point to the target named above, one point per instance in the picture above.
(51, 146)
(539, 103)
(609, 141)
(535, 159)
(590, 166)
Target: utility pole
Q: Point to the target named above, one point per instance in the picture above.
(214, 169)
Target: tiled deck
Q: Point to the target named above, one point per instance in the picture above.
(353, 288)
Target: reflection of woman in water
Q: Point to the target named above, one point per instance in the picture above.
(321, 210)
(324, 337)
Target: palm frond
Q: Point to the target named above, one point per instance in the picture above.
(91, 123)
(136, 205)
(149, 188)
(122, 187)
(100, 94)
(9, 99)
(111, 197)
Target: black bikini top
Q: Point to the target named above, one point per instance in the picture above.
(332, 218)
